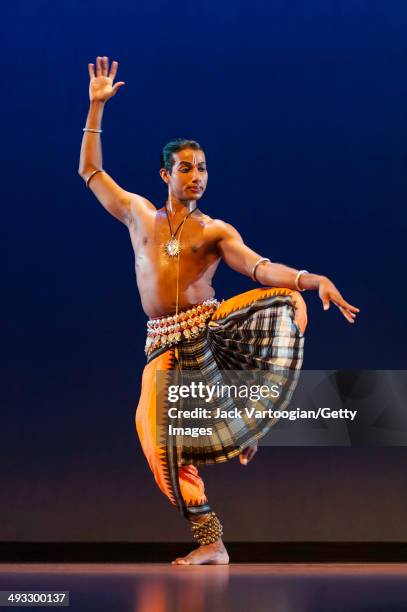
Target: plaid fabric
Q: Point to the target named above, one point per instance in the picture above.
(252, 339)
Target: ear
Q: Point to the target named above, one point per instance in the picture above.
(164, 175)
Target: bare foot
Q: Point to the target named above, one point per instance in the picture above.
(247, 454)
(208, 554)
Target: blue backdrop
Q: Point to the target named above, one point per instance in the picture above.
(300, 107)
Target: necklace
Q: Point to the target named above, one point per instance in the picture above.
(172, 247)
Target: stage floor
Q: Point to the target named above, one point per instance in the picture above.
(285, 587)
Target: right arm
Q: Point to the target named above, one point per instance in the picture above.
(120, 203)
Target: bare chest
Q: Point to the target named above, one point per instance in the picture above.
(154, 240)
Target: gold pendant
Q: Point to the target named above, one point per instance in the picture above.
(172, 248)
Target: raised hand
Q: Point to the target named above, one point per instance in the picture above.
(101, 86)
(329, 293)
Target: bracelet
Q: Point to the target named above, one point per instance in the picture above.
(92, 130)
(297, 278)
(92, 175)
(258, 262)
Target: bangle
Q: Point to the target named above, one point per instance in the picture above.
(258, 262)
(92, 130)
(297, 278)
(92, 175)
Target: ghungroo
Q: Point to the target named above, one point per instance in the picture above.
(208, 531)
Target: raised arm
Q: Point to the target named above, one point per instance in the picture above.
(243, 259)
(120, 203)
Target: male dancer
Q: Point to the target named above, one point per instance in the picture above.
(177, 250)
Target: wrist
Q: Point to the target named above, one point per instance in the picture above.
(310, 281)
(95, 114)
(98, 104)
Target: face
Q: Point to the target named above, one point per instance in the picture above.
(189, 175)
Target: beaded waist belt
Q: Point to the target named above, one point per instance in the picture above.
(170, 330)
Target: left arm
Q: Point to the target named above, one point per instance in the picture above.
(242, 259)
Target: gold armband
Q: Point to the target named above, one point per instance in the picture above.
(92, 175)
(258, 262)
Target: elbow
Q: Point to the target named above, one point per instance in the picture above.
(84, 171)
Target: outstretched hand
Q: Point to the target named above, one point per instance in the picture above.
(329, 293)
(101, 86)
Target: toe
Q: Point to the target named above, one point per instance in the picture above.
(180, 561)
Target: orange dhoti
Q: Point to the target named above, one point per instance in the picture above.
(257, 330)
(185, 482)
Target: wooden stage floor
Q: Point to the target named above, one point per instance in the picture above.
(285, 587)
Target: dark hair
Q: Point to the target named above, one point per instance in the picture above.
(175, 145)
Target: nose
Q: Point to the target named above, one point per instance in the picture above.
(195, 175)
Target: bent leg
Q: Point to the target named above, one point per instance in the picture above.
(182, 485)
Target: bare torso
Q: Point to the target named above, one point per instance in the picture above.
(156, 272)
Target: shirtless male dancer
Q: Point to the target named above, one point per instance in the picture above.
(180, 232)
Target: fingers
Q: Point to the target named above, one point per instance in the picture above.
(341, 302)
(348, 315)
(113, 70)
(102, 68)
(338, 300)
(98, 66)
(117, 86)
(105, 65)
(348, 311)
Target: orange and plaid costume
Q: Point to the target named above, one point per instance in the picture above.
(261, 329)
